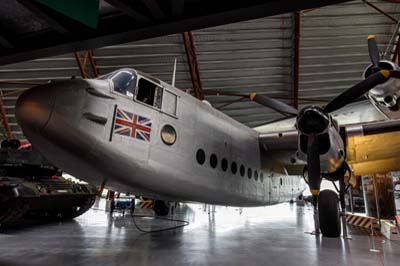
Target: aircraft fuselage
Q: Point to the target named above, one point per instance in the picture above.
(99, 130)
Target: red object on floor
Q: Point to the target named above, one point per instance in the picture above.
(25, 145)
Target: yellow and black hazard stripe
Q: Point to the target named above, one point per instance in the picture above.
(359, 220)
(146, 204)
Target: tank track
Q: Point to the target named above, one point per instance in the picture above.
(12, 211)
(17, 210)
(76, 211)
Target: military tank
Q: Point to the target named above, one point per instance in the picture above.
(32, 188)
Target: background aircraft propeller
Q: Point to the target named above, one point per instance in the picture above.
(373, 52)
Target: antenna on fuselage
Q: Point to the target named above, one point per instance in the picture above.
(174, 74)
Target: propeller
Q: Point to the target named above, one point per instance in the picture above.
(339, 101)
(313, 166)
(379, 76)
(373, 51)
(358, 90)
(312, 117)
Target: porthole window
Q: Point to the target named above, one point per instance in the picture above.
(224, 164)
(242, 170)
(213, 160)
(234, 167)
(256, 175)
(168, 134)
(200, 156)
(249, 172)
(262, 177)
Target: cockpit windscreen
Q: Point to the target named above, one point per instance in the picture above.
(124, 81)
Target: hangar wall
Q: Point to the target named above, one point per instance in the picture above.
(248, 56)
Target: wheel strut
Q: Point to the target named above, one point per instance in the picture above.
(316, 216)
(342, 192)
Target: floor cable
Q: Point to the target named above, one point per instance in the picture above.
(184, 223)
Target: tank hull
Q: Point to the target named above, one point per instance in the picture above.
(31, 188)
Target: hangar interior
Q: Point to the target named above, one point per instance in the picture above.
(250, 56)
(301, 58)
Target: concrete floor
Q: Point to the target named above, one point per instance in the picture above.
(272, 235)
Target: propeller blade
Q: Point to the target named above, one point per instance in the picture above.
(373, 50)
(357, 90)
(313, 164)
(273, 104)
(395, 74)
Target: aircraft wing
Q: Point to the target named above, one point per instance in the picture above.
(370, 147)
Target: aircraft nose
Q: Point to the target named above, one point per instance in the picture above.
(34, 106)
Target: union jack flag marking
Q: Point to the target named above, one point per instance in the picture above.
(132, 125)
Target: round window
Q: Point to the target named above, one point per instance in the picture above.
(242, 170)
(249, 173)
(224, 164)
(200, 156)
(168, 134)
(256, 175)
(262, 177)
(213, 160)
(234, 167)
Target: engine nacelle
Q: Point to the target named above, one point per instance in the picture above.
(313, 120)
(386, 94)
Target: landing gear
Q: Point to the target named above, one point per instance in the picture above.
(328, 218)
(328, 213)
(342, 191)
(161, 208)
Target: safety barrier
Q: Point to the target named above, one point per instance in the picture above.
(360, 220)
(146, 204)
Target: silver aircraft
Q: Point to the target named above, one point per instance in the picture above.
(141, 135)
(146, 137)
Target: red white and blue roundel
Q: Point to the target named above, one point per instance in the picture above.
(132, 125)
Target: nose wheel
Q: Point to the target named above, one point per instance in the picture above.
(329, 207)
(329, 214)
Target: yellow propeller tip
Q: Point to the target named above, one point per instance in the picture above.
(371, 37)
(314, 192)
(252, 96)
(385, 73)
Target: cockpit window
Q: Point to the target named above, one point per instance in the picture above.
(149, 93)
(124, 82)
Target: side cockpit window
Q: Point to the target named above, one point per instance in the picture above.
(124, 82)
(169, 103)
(149, 93)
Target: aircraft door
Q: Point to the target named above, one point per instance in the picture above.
(274, 188)
(145, 107)
(168, 138)
(264, 187)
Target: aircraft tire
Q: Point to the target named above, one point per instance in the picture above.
(328, 213)
(161, 208)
